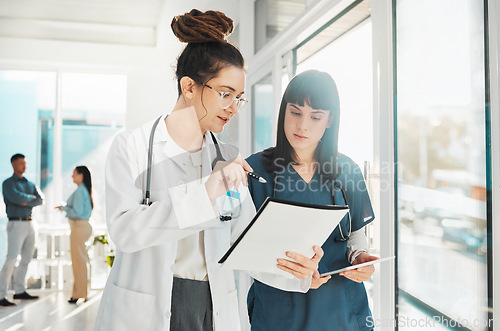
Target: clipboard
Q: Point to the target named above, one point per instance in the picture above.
(356, 266)
(280, 226)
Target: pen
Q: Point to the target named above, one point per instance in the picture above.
(254, 175)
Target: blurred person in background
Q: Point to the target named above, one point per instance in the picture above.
(20, 196)
(78, 210)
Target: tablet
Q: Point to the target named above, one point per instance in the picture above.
(279, 227)
(357, 266)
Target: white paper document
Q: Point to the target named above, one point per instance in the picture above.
(278, 227)
(356, 266)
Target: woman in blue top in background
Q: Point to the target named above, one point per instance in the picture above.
(78, 210)
(305, 166)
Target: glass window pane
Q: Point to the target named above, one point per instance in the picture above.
(263, 114)
(93, 112)
(349, 61)
(334, 29)
(94, 98)
(27, 101)
(441, 157)
(347, 57)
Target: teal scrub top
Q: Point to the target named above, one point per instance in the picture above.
(340, 304)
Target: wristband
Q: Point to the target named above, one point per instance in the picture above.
(356, 254)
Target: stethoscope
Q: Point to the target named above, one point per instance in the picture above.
(336, 184)
(147, 199)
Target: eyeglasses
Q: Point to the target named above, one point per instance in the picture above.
(227, 99)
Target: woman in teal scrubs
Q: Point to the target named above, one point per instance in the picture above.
(305, 166)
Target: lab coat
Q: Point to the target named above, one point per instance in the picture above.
(137, 295)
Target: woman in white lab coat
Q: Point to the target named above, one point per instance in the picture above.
(165, 275)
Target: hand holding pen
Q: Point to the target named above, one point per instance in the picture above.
(227, 174)
(254, 175)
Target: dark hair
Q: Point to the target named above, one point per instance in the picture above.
(16, 157)
(207, 51)
(318, 90)
(87, 181)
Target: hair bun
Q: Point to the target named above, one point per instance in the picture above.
(199, 27)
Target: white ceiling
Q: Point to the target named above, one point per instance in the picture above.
(126, 22)
(131, 22)
(122, 22)
(140, 13)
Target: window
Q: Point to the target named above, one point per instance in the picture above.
(441, 161)
(93, 108)
(347, 56)
(27, 99)
(55, 137)
(348, 60)
(263, 114)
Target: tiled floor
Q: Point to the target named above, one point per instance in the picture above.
(50, 312)
(53, 312)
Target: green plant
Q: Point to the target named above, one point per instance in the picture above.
(102, 239)
(110, 258)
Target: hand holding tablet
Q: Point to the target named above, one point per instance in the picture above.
(356, 266)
